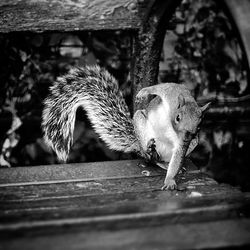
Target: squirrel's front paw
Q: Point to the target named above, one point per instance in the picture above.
(151, 151)
(169, 184)
(143, 93)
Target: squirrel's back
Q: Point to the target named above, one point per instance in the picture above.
(97, 92)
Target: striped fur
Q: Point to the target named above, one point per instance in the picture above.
(94, 89)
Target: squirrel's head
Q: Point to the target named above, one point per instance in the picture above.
(187, 118)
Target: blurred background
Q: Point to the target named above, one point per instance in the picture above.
(201, 49)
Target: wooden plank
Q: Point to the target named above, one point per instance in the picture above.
(69, 15)
(209, 235)
(109, 193)
(128, 200)
(104, 203)
(74, 172)
(109, 187)
(118, 215)
(148, 45)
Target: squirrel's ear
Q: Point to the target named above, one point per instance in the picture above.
(181, 101)
(205, 107)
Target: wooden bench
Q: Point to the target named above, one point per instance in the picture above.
(116, 205)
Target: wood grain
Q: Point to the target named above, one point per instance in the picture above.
(109, 194)
(211, 235)
(69, 15)
(73, 172)
(113, 205)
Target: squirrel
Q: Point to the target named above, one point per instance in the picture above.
(165, 131)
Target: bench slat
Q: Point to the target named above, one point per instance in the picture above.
(110, 194)
(74, 172)
(64, 15)
(116, 211)
(209, 235)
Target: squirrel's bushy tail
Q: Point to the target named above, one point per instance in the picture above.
(97, 92)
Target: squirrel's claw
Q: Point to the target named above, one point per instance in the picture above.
(151, 151)
(169, 184)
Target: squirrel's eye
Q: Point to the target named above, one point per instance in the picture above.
(178, 118)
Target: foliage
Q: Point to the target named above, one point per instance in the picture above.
(207, 54)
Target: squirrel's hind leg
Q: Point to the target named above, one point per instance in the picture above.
(144, 132)
(140, 122)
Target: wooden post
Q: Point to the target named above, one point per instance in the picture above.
(148, 44)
